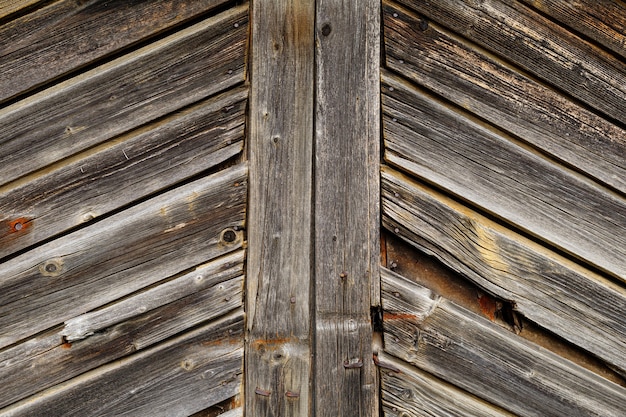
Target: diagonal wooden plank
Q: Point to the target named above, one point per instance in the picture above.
(531, 41)
(441, 144)
(481, 357)
(66, 35)
(346, 224)
(124, 327)
(134, 89)
(119, 255)
(162, 381)
(278, 349)
(432, 56)
(122, 171)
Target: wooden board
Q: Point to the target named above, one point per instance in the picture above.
(127, 326)
(602, 21)
(8, 7)
(67, 35)
(128, 251)
(552, 291)
(435, 58)
(347, 218)
(278, 355)
(120, 172)
(529, 40)
(479, 356)
(442, 145)
(134, 89)
(408, 391)
(162, 381)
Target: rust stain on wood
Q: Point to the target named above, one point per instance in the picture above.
(19, 225)
(399, 316)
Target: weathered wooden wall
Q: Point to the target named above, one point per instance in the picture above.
(505, 154)
(122, 198)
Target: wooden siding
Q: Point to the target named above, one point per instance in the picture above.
(122, 236)
(505, 147)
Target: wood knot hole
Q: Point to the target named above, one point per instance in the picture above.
(326, 29)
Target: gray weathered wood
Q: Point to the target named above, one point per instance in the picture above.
(442, 145)
(67, 35)
(526, 38)
(486, 360)
(408, 391)
(555, 293)
(491, 89)
(346, 224)
(176, 378)
(122, 94)
(96, 338)
(122, 171)
(603, 21)
(278, 357)
(135, 248)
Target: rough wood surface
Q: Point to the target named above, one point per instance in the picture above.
(8, 7)
(442, 145)
(176, 378)
(479, 356)
(347, 218)
(278, 357)
(120, 95)
(99, 337)
(555, 293)
(67, 35)
(410, 392)
(123, 171)
(428, 54)
(135, 248)
(603, 21)
(529, 40)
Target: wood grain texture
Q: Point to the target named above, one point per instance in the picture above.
(431, 56)
(8, 7)
(463, 348)
(135, 248)
(162, 381)
(347, 220)
(123, 171)
(125, 93)
(99, 337)
(603, 21)
(410, 392)
(574, 303)
(278, 355)
(442, 145)
(67, 35)
(529, 40)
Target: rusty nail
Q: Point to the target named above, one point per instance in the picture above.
(290, 394)
(384, 365)
(262, 392)
(348, 365)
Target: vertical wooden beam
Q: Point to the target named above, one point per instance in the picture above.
(278, 349)
(347, 245)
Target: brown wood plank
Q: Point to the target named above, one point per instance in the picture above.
(603, 21)
(132, 90)
(347, 219)
(99, 337)
(442, 145)
(408, 391)
(176, 378)
(67, 35)
(122, 171)
(469, 351)
(278, 352)
(135, 248)
(8, 7)
(555, 293)
(526, 38)
(484, 85)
